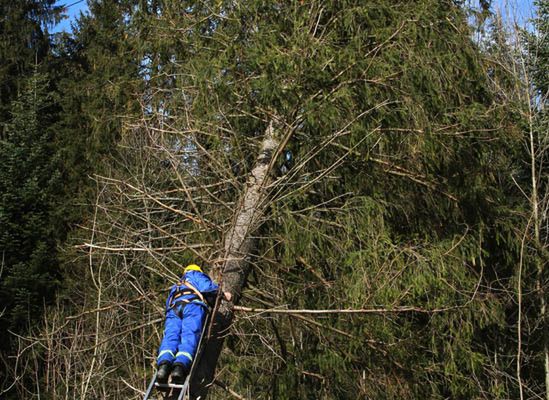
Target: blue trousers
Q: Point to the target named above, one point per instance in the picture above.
(182, 331)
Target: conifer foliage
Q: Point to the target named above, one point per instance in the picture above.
(29, 207)
(24, 42)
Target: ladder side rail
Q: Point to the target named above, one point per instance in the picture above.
(150, 387)
(198, 352)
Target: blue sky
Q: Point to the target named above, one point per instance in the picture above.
(521, 9)
(72, 12)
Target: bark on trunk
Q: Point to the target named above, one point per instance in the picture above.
(238, 246)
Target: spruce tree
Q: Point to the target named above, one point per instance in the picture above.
(29, 208)
(97, 73)
(24, 42)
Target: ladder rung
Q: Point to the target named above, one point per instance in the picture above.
(168, 385)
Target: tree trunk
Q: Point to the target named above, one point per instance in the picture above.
(238, 245)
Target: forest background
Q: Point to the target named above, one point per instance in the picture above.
(400, 254)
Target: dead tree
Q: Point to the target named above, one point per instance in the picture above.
(238, 245)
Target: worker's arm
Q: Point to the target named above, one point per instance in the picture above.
(169, 298)
(211, 294)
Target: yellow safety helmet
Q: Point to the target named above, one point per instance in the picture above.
(192, 267)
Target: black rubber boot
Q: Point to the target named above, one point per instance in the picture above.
(179, 374)
(163, 373)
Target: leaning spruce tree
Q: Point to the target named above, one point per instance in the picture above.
(397, 203)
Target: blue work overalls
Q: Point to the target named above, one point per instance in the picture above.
(185, 316)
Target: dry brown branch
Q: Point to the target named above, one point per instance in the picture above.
(307, 320)
(111, 306)
(400, 171)
(314, 271)
(162, 204)
(124, 332)
(145, 249)
(228, 390)
(395, 310)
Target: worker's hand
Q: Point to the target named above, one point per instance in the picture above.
(228, 296)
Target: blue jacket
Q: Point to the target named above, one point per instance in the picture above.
(200, 281)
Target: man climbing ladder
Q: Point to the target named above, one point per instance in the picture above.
(186, 311)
